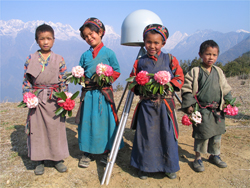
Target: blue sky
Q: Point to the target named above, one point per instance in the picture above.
(184, 16)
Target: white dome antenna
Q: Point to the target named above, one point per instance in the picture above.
(134, 24)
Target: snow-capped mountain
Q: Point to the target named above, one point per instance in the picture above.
(17, 42)
(173, 40)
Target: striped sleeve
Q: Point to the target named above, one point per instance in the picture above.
(26, 83)
(62, 77)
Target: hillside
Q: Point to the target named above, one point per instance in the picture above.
(18, 171)
(17, 37)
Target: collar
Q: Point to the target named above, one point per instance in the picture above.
(96, 50)
(155, 56)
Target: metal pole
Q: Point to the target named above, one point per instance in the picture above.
(124, 91)
(120, 130)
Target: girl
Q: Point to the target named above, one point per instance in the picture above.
(155, 147)
(96, 117)
(44, 72)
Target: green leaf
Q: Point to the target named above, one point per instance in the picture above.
(155, 89)
(133, 84)
(78, 80)
(151, 86)
(82, 79)
(22, 104)
(111, 79)
(72, 79)
(70, 113)
(59, 111)
(64, 113)
(63, 96)
(107, 79)
(130, 79)
(232, 101)
(75, 80)
(196, 107)
(144, 91)
(161, 89)
(36, 92)
(58, 94)
(74, 95)
(238, 104)
(150, 74)
(68, 77)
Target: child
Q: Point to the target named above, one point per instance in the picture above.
(207, 85)
(44, 72)
(97, 119)
(155, 147)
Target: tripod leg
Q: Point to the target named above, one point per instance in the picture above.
(122, 98)
(118, 138)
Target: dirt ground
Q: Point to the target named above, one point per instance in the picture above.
(16, 169)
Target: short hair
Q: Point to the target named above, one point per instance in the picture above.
(206, 44)
(43, 28)
(153, 32)
(92, 27)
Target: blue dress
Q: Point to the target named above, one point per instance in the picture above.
(155, 147)
(97, 127)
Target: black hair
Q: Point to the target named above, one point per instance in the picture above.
(92, 27)
(43, 28)
(153, 32)
(206, 44)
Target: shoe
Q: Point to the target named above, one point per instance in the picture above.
(198, 165)
(39, 168)
(84, 161)
(171, 175)
(104, 159)
(142, 175)
(215, 159)
(60, 166)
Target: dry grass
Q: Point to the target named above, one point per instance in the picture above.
(16, 169)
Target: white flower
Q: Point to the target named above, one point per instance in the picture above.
(196, 117)
(69, 95)
(77, 71)
(32, 102)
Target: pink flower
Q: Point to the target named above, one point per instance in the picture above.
(231, 111)
(142, 78)
(69, 104)
(162, 77)
(77, 71)
(27, 96)
(32, 102)
(186, 121)
(100, 69)
(108, 71)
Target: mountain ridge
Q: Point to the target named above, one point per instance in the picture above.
(17, 42)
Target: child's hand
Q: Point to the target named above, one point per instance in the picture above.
(190, 110)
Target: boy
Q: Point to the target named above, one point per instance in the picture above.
(207, 86)
(155, 147)
(43, 72)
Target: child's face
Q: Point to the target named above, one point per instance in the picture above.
(45, 41)
(209, 56)
(153, 43)
(91, 37)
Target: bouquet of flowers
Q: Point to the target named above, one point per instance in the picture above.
(231, 109)
(30, 100)
(194, 118)
(66, 102)
(151, 83)
(103, 74)
(76, 76)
